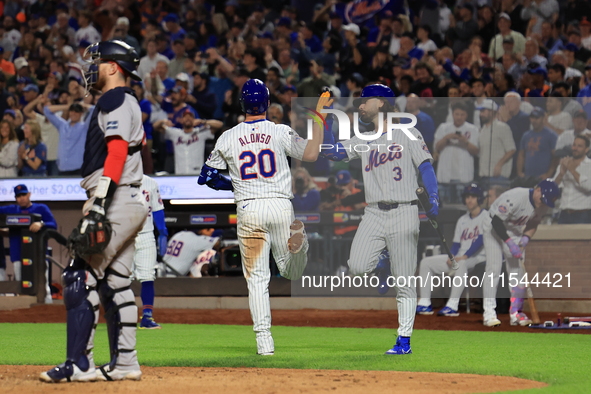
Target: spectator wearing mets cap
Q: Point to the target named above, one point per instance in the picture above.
(25, 206)
(175, 31)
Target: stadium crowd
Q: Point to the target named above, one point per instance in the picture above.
(501, 89)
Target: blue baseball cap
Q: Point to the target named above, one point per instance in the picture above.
(171, 18)
(537, 112)
(284, 21)
(538, 70)
(343, 177)
(10, 112)
(571, 47)
(20, 189)
(31, 88)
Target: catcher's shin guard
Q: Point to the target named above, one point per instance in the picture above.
(121, 315)
(81, 301)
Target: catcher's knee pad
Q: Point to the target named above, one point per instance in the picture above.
(120, 313)
(81, 301)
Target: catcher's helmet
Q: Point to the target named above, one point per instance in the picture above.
(117, 51)
(375, 90)
(254, 98)
(550, 192)
(473, 190)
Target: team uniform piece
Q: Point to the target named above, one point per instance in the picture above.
(391, 218)
(255, 152)
(145, 259)
(513, 219)
(468, 241)
(112, 174)
(184, 247)
(189, 148)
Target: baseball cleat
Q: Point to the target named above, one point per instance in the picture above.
(383, 272)
(68, 372)
(297, 237)
(402, 346)
(424, 310)
(447, 311)
(520, 319)
(266, 353)
(148, 323)
(106, 373)
(494, 322)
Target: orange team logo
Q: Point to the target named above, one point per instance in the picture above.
(533, 145)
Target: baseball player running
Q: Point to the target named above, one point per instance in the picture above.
(104, 241)
(255, 152)
(467, 249)
(186, 246)
(513, 220)
(391, 219)
(145, 249)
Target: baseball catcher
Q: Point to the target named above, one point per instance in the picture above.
(103, 244)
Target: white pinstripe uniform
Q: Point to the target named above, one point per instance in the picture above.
(515, 208)
(467, 231)
(184, 247)
(145, 244)
(390, 177)
(256, 155)
(189, 148)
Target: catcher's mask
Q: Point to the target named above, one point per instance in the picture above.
(116, 51)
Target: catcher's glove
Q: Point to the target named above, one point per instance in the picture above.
(91, 236)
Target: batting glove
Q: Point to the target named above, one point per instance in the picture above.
(162, 244)
(524, 241)
(514, 248)
(434, 211)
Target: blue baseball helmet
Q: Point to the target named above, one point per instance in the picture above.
(550, 192)
(375, 90)
(473, 190)
(254, 98)
(117, 51)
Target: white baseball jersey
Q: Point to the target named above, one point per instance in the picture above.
(189, 148)
(151, 193)
(389, 166)
(456, 163)
(183, 249)
(256, 155)
(515, 207)
(467, 231)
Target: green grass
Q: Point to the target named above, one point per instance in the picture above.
(558, 359)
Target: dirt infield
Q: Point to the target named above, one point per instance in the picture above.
(295, 318)
(268, 380)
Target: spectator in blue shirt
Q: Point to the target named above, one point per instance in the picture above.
(535, 158)
(146, 108)
(24, 205)
(72, 133)
(306, 197)
(424, 122)
(175, 31)
(32, 152)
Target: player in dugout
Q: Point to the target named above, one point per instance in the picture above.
(24, 206)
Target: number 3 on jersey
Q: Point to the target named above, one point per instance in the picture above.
(265, 161)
